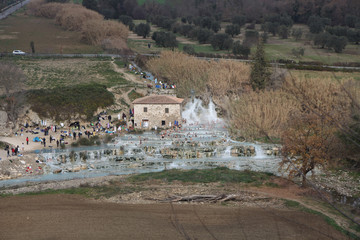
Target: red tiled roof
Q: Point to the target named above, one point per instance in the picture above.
(158, 99)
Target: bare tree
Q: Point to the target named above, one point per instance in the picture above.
(12, 81)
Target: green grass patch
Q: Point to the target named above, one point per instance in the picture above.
(203, 48)
(355, 227)
(92, 192)
(141, 46)
(112, 78)
(282, 49)
(2, 195)
(328, 220)
(134, 95)
(220, 174)
(77, 191)
(120, 63)
(63, 102)
(291, 204)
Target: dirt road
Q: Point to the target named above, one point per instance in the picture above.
(75, 217)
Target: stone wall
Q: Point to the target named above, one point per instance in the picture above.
(156, 114)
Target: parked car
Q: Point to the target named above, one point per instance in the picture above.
(18, 52)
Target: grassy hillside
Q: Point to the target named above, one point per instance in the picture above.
(65, 87)
(59, 72)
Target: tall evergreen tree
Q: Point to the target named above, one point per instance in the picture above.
(260, 75)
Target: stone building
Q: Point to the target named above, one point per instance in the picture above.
(159, 111)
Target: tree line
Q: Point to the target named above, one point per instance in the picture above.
(200, 19)
(340, 12)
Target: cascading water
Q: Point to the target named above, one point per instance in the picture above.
(227, 152)
(259, 152)
(202, 142)
(196, 113)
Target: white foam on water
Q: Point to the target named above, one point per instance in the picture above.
(227, 152)
(195, 113)
(259, 152)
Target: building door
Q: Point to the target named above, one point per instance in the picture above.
(145, 123)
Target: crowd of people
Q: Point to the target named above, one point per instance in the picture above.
(62, 134)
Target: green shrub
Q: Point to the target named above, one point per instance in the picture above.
(85, 141)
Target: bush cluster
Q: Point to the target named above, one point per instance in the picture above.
(95, 32)
(165, 39)
(190, 73)
(65, 102)
(73, 17)
(329, 41)
(84, 141)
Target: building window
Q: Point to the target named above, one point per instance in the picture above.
(166, 110)
(145, 109)
(163, 123)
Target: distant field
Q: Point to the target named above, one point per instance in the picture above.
(282, 50)
(18, 30)
(275, 48)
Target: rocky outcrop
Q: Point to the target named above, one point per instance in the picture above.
(273, 151)
(242, 151)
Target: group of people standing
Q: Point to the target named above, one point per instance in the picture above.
(14, 150)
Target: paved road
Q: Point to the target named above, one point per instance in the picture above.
(12, 9)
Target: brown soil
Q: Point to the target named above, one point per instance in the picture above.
(73, 217)
(255, 207)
